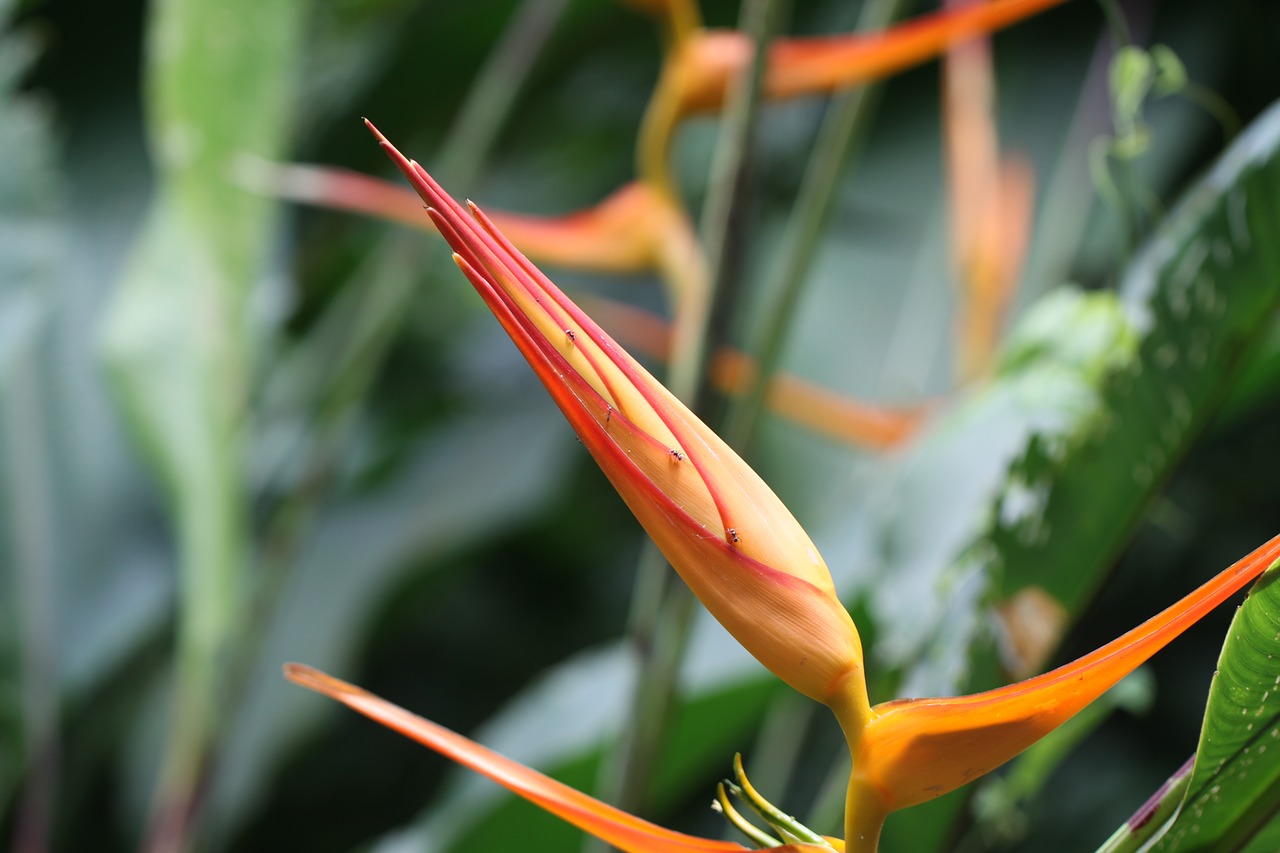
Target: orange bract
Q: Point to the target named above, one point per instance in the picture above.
(913, 750)
(701, 68)
(722, 529)
(622, 830)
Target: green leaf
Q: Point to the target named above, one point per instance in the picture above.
(1006, 495)
(363, 546)
(1200, 296)
(1234, 791)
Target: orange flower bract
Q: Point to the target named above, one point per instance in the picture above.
(731, 539)
(625, 832)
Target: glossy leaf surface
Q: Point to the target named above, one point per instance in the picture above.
(1234, 790)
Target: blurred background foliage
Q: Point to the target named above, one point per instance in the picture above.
(298, 427)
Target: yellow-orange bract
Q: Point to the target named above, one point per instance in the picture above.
(734, 543)
(702, 65)
(913, 750)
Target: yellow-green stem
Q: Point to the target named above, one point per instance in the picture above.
(864, 815)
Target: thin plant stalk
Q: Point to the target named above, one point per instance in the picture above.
(379, 311)
(381, 308)
(491, 97)
(30, 502)
(843, 128)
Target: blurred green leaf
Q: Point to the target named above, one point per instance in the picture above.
(1198, 298)
(362, 547)
(1006, 493)
(1089, 393)
(176, 340)
(967, 477)
(562, 724)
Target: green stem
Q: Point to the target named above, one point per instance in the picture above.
(724, 211)
(31, 502)
(355, 334)
(489, 100)
(357, 347)
(840, 136)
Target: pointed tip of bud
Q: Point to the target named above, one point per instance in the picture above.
(313, 679)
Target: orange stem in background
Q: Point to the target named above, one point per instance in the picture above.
(991, 202)
(614, 236)
(700, 68)
(802, 66)
(813, 65)
(845, 419)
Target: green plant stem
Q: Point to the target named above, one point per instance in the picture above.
(842, 132)
(725, 209)
(30, 503)
(1117, 23)
(357, 332)
(489, 100)
(358, 347)
(663, 609)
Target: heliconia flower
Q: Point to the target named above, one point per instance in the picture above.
(616, 827)
(756, 571)
(913, 750)
(700, 68)
(729, 537)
